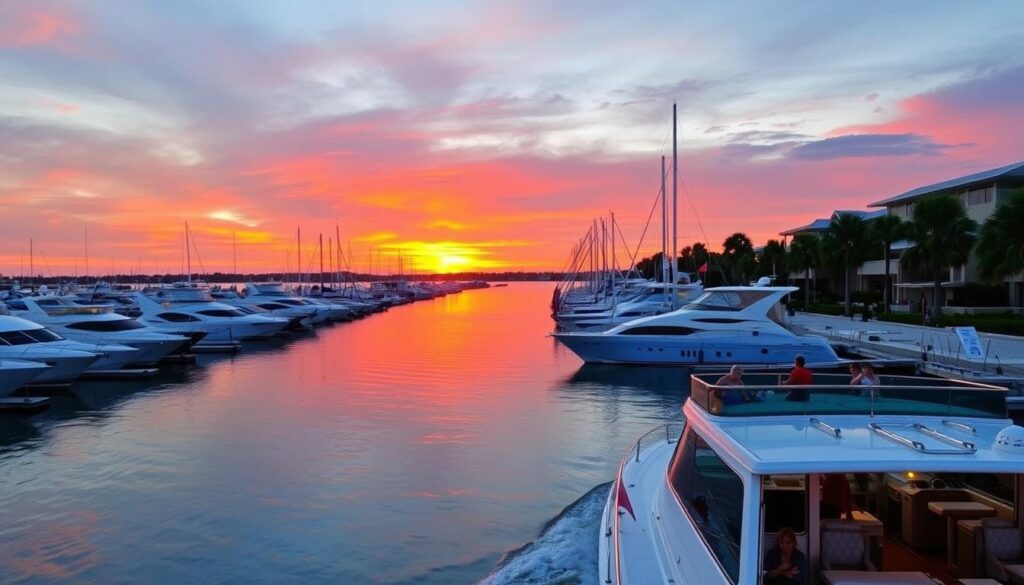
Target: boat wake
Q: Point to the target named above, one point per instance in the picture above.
(565, 551)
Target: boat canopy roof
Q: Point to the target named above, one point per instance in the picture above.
(905, 423)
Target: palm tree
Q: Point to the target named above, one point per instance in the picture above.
(887, 229)
(773, 259)
(734, 249)
(803, 255)
(1001, 244)
(943, 236)
(848, 235)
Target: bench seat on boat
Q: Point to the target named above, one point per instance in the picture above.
(875, 578)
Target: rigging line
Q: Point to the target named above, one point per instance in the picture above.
(195, 247)
(649, 216)
(632, 259)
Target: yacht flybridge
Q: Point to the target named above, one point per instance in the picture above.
(927, 474)
(724, 325)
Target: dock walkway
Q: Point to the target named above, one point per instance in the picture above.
(935, 346)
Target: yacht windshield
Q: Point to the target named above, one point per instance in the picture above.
(116, 325)
(222, 313)
(727, 300)
(43, 335)
(15, 338)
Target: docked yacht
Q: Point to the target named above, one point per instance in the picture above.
(24, 340)
(16, 373)
(914, 481)
(270, 297)
(221, 323)
(724, 325)
(98, 324)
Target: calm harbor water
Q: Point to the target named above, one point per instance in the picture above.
(447, 441)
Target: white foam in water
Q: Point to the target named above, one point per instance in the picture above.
(565, 551)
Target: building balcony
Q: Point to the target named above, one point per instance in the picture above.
(877, 268)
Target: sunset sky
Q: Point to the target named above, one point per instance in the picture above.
(475, 135)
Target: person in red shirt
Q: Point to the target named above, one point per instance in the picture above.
(798, 376)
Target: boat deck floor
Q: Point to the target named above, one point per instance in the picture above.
(897, 556)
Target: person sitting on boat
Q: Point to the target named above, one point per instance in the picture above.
(867, 377)
(855, 373)
(798, 376)
(733, 378)
(785, 564)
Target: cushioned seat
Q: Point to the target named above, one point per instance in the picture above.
(844, 546)
(1004, 545)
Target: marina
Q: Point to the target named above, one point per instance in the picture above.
(512, 293)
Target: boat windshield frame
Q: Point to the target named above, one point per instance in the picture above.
(734, 300)
(763, 394)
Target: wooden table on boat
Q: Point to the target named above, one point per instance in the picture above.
(876, 577)
(953, 511)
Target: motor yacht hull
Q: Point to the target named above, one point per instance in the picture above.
(65, 364)
(16, 373)
(726, 348)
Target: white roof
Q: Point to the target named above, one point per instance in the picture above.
(791, 444)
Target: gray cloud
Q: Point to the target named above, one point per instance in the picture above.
(862, 145)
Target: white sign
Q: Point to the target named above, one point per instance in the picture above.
(969, 341)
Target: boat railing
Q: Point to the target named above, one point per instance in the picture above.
(763, 394)
(667, 433)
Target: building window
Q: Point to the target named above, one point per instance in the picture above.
(980, 196)
(713, 496)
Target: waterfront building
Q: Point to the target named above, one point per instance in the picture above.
(980, 194)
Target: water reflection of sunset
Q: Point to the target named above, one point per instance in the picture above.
(367, 449)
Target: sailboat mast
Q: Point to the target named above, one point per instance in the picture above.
(615, 293)
(298, 244)
(188, 252)
(234, 255)
(321, 246)
(664, 231)
(675, 213)
(87, 251)
(31, 265)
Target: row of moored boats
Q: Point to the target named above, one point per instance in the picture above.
(54, 336)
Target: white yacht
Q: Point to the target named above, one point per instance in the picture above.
(220, 322)
(24, 340)
(724, 325)
(916, 481)
(16, 373)
(98, 324)
(266, 297)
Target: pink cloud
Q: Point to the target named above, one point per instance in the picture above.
(25, 26)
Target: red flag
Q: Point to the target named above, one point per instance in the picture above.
(703, 267)
(623, 499)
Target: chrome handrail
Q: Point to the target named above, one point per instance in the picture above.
(965, 448)
(827, 428)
